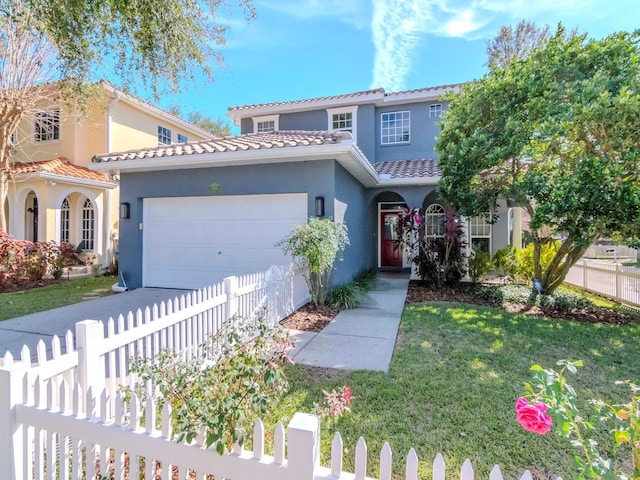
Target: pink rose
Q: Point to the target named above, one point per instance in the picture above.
(533, 417)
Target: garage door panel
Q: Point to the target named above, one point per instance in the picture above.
(191, 242)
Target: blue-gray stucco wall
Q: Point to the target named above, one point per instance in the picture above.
(423, 133)
(317, 178)
(352, 197)
(424, 129)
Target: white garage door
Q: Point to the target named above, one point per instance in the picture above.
(192, 242)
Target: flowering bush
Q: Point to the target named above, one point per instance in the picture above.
(550, 400)
(336, 403)
(24, 262)
(237, 376)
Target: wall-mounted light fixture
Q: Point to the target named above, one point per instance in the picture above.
(125, 210)
(319, 206)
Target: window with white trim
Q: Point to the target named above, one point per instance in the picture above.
(47, 126)
(265, 124)
(88, 225)
(435, 110)
(182, 138)
(480, 233)
(434, 219)
(164, 135)
(65, 214)
(344, 119)
(395, 127)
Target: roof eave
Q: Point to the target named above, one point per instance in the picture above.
(346, 153)
(76, 181)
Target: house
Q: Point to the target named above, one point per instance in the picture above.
(205, 210)
(52, 195)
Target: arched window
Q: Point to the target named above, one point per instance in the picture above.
(434, 219)
(65, 211)
(88, 223)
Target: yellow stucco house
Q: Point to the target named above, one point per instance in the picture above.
(53, 196)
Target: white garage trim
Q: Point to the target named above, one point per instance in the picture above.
(193, 242)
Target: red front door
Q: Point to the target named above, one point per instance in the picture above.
(390, 252)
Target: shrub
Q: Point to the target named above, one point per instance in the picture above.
(25, 262)
(351, 294)
(314, 247)
(237, 377)
(479, 265)
(348, 295)
(439, 260)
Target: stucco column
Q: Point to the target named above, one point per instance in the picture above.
(516, 227)
(466, 250)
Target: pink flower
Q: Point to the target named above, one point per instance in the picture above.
(533, 417)
(346, 394)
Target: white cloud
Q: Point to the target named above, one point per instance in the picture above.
(398, 26)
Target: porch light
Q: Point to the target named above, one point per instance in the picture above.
(125, 210)
(319, 206)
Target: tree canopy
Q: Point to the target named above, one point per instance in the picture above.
(136, 43)
(557, 133)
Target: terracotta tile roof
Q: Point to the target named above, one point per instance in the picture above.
(355, 95)
(424, 89)
(422, 167)
(59, 166)
(307, 100)
(238, 143)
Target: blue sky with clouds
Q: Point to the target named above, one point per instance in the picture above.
(312, 48)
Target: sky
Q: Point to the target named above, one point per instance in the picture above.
(298, 49)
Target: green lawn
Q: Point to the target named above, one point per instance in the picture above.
(456, 373)
(44, 298)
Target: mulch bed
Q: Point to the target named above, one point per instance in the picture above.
(419, 292)
(309, 319)
(24, 285)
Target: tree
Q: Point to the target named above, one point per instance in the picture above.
(314, 247)
(219, 127)
(515, 43)
(71, 41)
(555, 133)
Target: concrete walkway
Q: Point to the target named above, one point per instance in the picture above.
(362, 338)
(29, 329)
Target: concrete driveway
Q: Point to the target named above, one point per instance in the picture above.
(29, 329)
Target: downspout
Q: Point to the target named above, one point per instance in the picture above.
(107, 214)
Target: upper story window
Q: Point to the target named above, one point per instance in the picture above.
(268, 123)
(47, 126)
(182, 138)
(435, 110)
(344, 119)
(164, 135)
(396, 127)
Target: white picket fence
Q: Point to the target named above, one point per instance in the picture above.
(59, 433)
(63, 417)
(612, 280)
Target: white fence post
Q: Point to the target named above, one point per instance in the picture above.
(619, 271)
(584, 274)
(231, 289)
(12, 386)
(91, 371)
(303, 440)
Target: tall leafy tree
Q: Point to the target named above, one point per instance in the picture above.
(150, 44)
(515, 43)
(556, 133)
